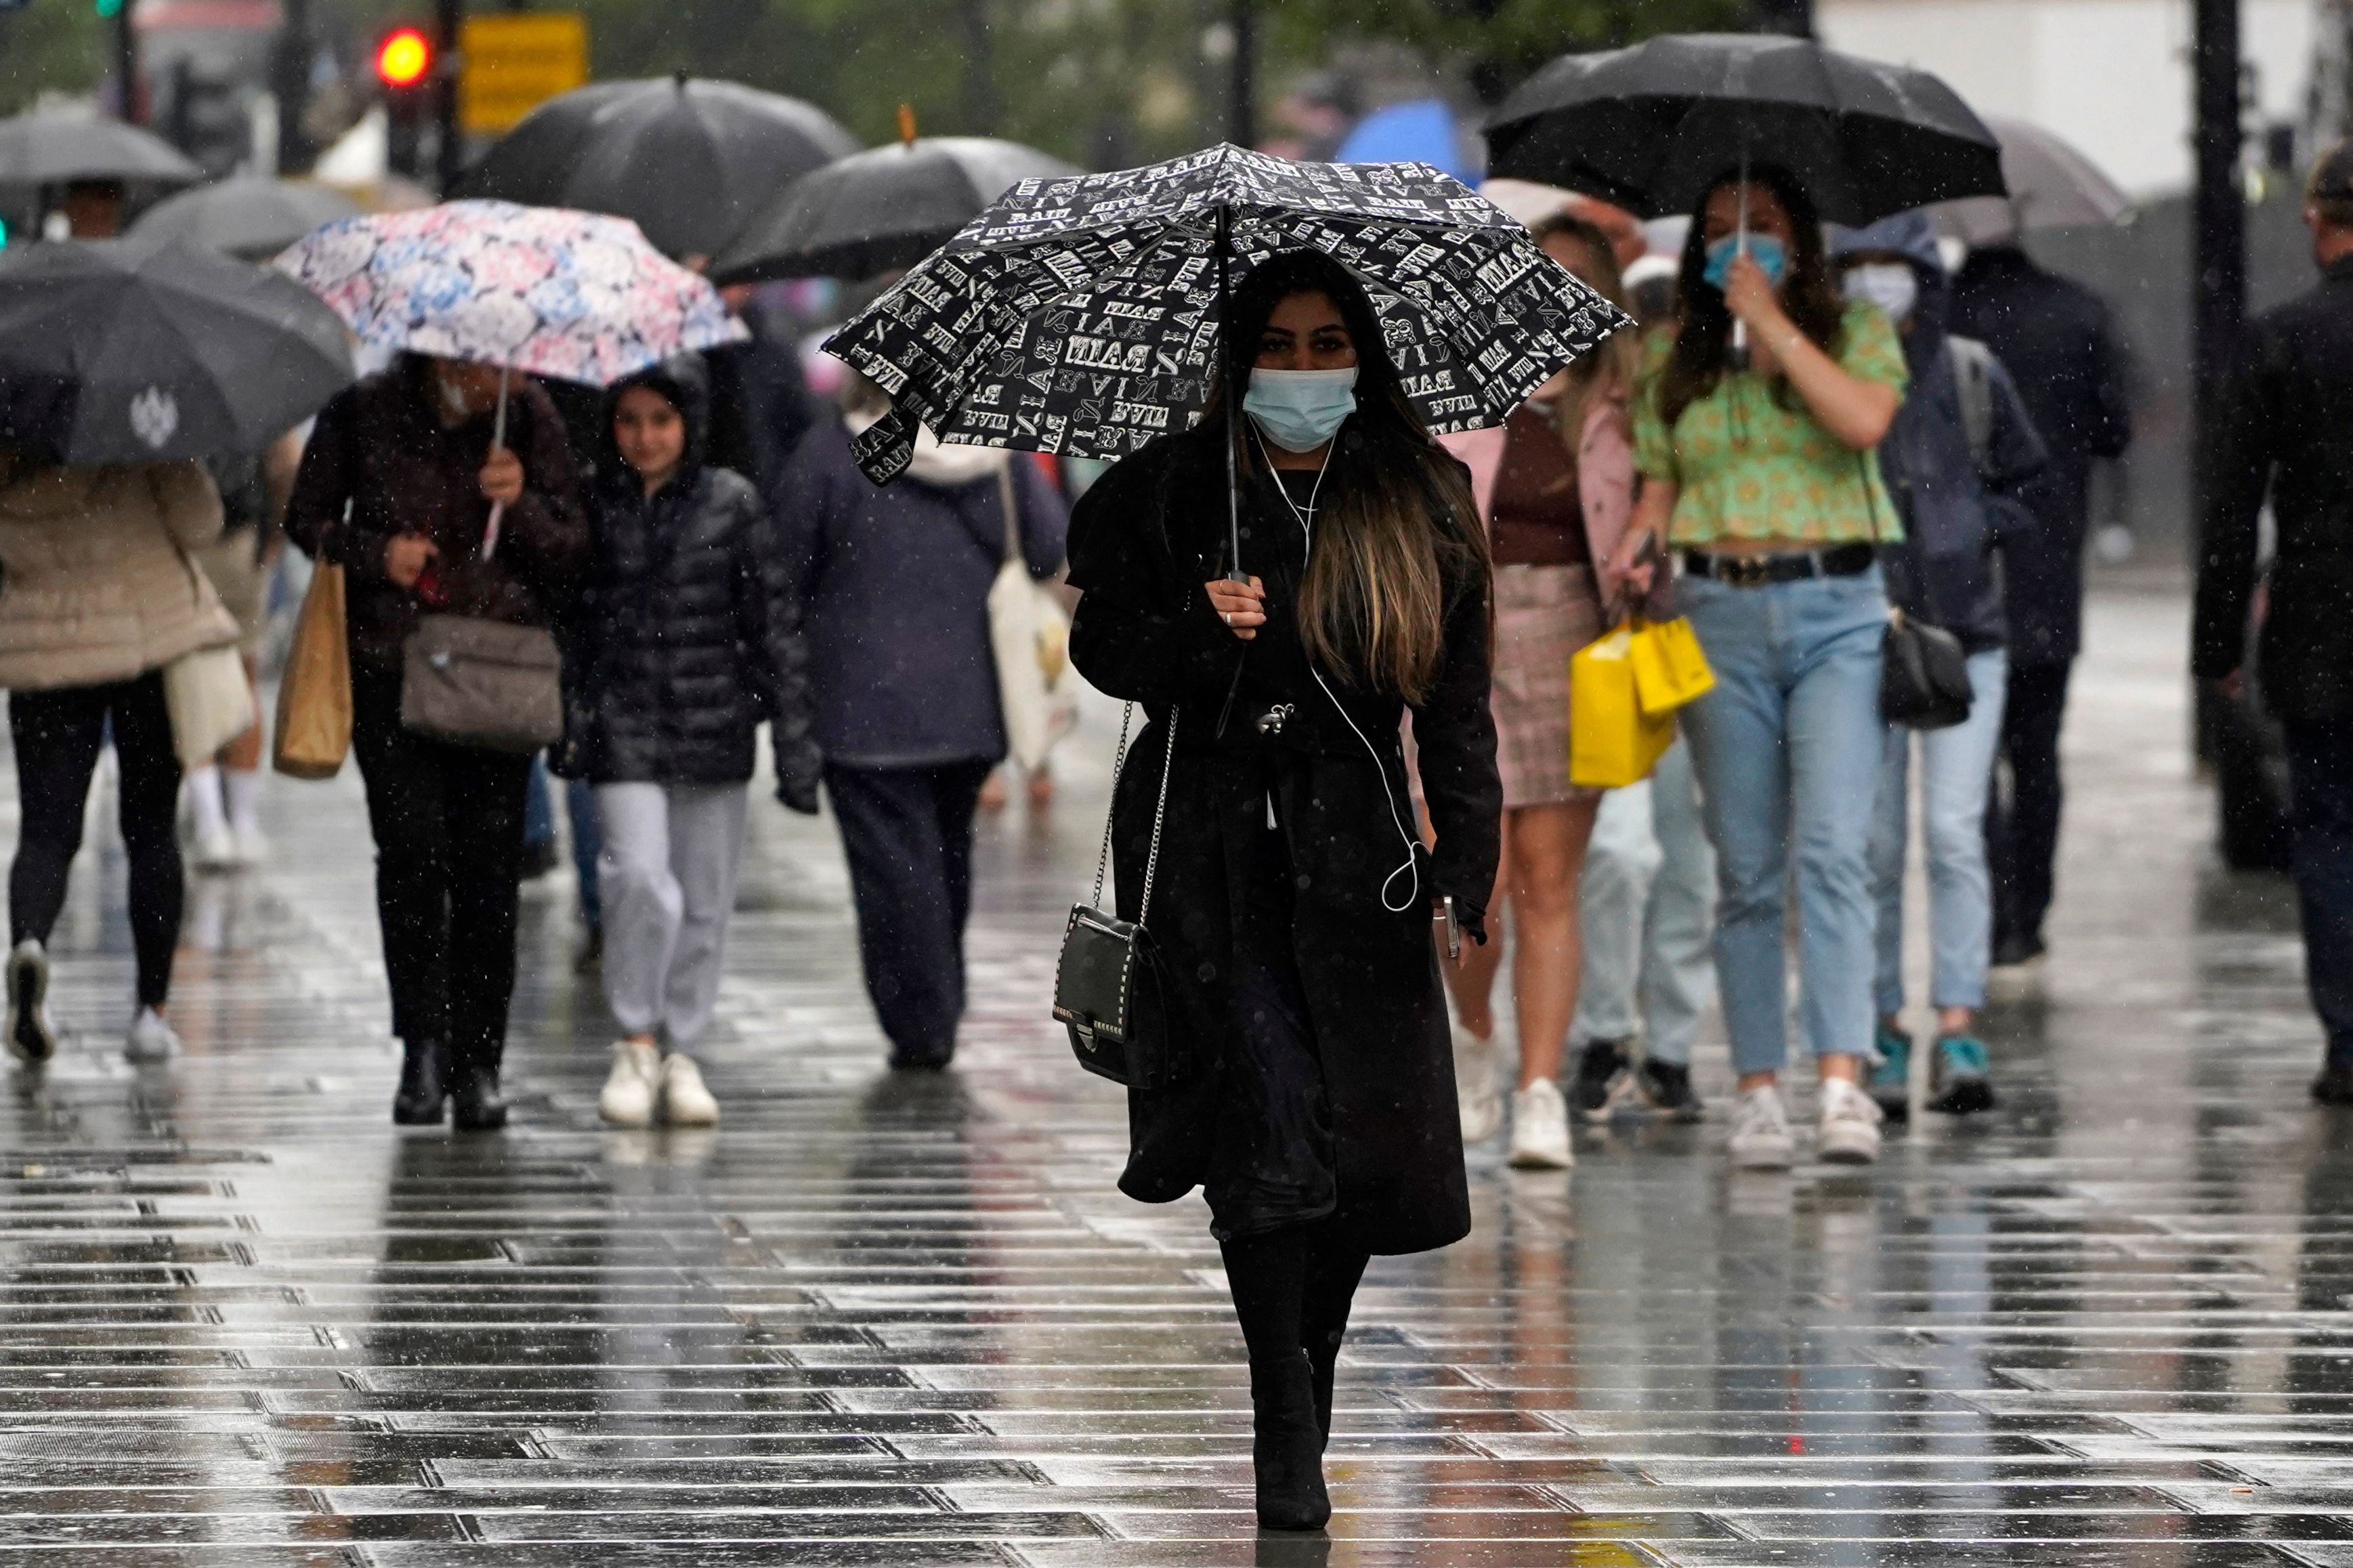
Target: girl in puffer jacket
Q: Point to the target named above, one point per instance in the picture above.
(688, 638)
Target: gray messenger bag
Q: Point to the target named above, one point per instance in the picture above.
(472, 682)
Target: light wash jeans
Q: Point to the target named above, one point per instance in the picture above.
(1647, 906)
(1787, 749)
(1956, 777)
(669, 858)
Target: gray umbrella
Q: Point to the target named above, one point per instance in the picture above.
(247, 216)
(883, 209)
(57, 149)
(120, 350)
(2052, 185)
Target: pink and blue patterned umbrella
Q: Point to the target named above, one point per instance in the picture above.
(542, 290)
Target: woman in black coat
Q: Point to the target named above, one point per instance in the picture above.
(1293, 902)
(687, 638)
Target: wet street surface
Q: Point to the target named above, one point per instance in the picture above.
(243, 1320)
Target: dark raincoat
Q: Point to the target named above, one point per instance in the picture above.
(1142, 542)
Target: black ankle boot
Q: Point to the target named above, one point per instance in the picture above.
(475, 1103)
(1323, 1362)
(423, 1068)
(1287, 1447)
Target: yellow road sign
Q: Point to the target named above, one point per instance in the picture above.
(510, 62)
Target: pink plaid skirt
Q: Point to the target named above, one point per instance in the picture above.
(1542, 615)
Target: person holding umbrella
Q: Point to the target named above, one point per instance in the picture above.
(121, 367)
(446, 485)
(1762, 474)
(1276, 582)
(1286, 900)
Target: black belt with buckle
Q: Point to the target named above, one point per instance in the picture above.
(1791, 566)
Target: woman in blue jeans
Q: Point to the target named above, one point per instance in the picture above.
(1758, 466)
(1954, 459)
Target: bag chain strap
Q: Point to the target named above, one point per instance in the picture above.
(1159, 814)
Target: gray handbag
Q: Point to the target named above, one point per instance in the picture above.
(473, 682)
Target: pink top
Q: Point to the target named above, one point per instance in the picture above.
(1605, 475)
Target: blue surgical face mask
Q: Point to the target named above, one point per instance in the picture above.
(1763, 249)
(1299, 410)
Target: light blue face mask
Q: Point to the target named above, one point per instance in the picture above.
(1299, 410)
(1763, 249)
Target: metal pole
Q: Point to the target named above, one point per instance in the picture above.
(126, 65)
(289, 81)
(2219, 288)
(450, 159)
(1241, 126)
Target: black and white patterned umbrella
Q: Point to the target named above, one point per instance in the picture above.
(1082, 315)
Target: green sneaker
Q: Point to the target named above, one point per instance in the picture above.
(1958, 1082)
(1890, 1079)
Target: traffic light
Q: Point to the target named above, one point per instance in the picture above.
(403, 71)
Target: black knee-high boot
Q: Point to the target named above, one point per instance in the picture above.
(1268, 1273)
(1286, 1445)
(1332, 1274)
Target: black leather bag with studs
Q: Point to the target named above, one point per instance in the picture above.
(1107, 990)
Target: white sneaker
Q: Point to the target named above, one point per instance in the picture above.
(217, 849)
(1540, 1129)
(685, 1102)
(30, 1034)
(252, 846)
(1476, 1096)
(1850, 1128)
(1761, 1140)
(150, 1039)
(632, 1087)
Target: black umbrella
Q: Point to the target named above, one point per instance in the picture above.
(1084, 315)
(126, 352)
(1653, 127)
(249, 217)
(883, 209)
(59, 149)
(689, 161)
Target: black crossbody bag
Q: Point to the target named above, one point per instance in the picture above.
(1107, 981)
(1924, 671)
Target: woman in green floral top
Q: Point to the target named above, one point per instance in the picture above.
(1763, 477)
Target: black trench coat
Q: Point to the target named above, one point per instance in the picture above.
(1142, 542)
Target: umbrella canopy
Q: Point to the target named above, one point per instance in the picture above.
(883, 209)
(1084, 315)
(57, 149)
(687, 161)
(2052, 185)
(123, 350)
(1421, 132)
(1652, 127)
(247, 216)
(565, 294)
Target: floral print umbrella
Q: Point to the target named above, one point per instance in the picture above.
(541, 289)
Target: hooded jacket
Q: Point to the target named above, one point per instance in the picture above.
(687, 636)
(1954, 515)
(381, 463)
(95, 580)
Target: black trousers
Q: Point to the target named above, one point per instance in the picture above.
(907, 833)
(57, 735)
(2022, 813)
(448, 822)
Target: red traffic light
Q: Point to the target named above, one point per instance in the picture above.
(404, 58)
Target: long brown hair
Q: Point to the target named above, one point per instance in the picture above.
(1608, 368)
(1398, 523)
(1703, 330)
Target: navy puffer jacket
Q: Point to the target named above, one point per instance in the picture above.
(688, 635)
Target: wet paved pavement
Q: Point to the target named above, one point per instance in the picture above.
(244, 1322)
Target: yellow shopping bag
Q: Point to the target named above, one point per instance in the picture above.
(1670, 671)
(1612, 742)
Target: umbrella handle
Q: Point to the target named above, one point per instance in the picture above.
(1234, 573)
(498, 439)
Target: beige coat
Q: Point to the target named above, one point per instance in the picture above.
(95, 580)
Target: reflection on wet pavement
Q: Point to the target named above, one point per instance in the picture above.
(909, 1322)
